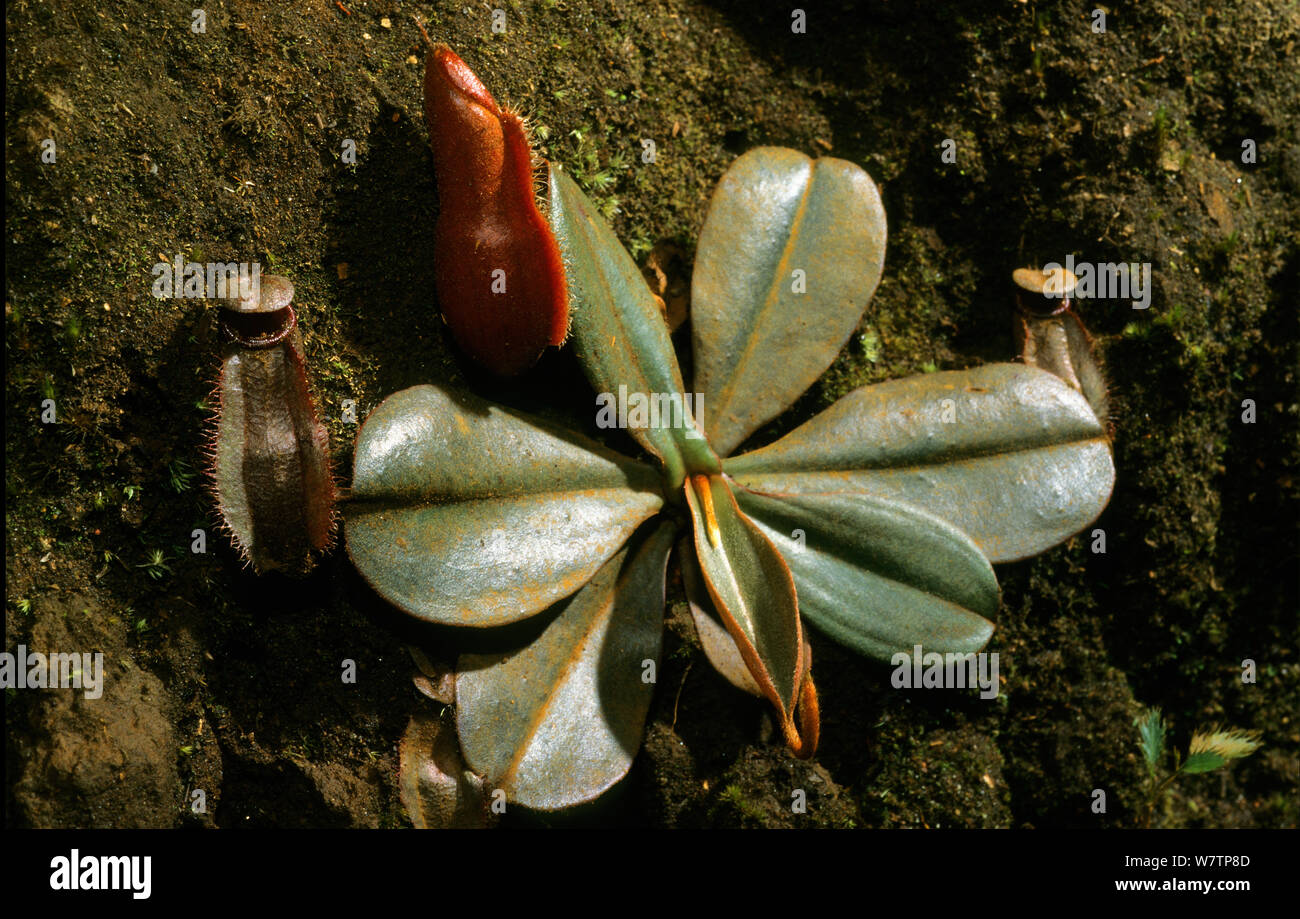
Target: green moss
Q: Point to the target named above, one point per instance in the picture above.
(731, 803)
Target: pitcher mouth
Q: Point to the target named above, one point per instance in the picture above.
(259, 330)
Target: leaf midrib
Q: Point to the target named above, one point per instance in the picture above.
(377, 502)
(948, 461)
(562, 675)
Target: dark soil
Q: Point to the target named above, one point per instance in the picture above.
(1124, 145)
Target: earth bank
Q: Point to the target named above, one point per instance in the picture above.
(1122, 145)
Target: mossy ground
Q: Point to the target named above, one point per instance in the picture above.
(1117, 146)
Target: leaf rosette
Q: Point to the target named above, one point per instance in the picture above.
(877, 520)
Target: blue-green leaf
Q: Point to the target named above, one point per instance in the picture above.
(790, 254)
(753, 592)
(1151, 730)
(880, 576)
(1009, 454)
(718, 645)
(558, 722)
(465, 513)
(619, 334)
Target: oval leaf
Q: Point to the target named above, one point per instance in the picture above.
(464, 513)
(880, 576)
(558, 722)
(1009, 454)
(790, 254)
(619, 334)
(753, 591)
